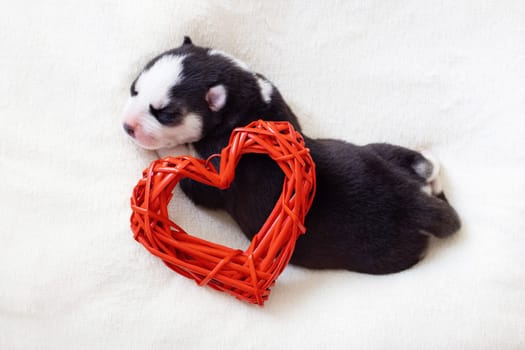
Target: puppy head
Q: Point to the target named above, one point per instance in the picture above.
(178, 97)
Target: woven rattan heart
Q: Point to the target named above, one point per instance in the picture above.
(249, 274)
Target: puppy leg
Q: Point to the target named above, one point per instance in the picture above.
(435, 216)
(407, 160)
(433, 179)
(423, 166)
(203, 195)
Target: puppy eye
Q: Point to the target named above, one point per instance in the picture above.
(164, 116)
(153, 111)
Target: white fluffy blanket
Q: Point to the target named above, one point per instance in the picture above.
(445, 75)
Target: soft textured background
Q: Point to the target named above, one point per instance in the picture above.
(449, 75)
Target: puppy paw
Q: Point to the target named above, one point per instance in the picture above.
(429, 169)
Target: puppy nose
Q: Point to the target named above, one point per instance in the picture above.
(129, 130)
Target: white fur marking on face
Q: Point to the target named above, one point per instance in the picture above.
(154, 84)
(188, 131)
(234, 60)
(266, 89)
(153, 87)
(152, 135)
(180, 150)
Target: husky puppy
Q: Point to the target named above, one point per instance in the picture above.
(375, 205)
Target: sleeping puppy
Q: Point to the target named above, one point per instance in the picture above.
(375, 205)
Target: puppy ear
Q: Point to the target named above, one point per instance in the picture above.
(216, 97)
(187, 41)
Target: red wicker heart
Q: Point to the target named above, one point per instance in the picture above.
(248, 275)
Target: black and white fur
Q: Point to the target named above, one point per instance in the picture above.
(375, 205)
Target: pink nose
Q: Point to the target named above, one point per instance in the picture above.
(129, 130)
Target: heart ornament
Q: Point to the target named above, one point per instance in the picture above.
(247, 275)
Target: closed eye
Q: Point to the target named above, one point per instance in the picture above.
(164, 115)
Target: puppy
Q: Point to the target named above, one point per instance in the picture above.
(375, 205)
